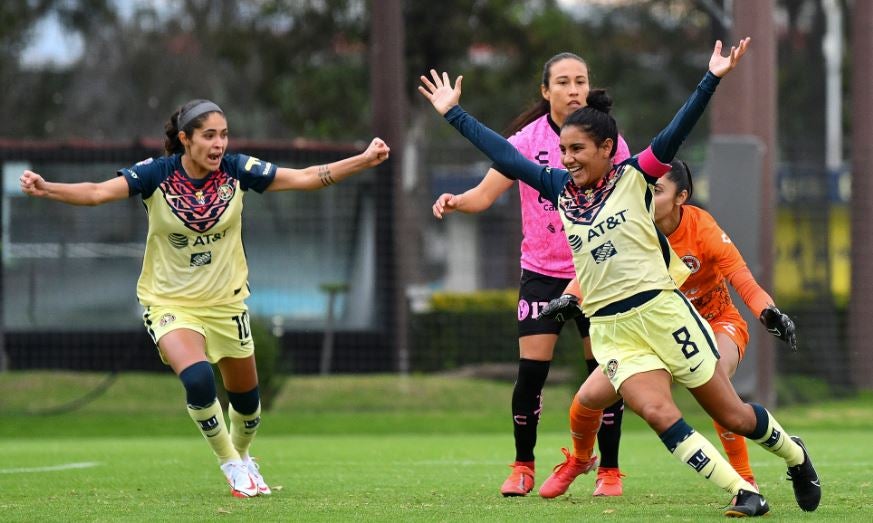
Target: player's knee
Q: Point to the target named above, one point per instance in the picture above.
(660, 415)
(597, 393)
(739, 421)
(245, 403)
(199, 383)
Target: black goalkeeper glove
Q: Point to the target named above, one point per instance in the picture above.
(780, 325)
(562, 309)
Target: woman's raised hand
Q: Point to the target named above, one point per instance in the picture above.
(440, 91)
(377, 152)
(32, 184)
(721, 65)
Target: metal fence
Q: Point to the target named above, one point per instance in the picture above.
(69, 273)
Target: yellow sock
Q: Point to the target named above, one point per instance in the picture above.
(775, 439)
(210, 421)
(697, 452)
(736, 450)
(243, 429)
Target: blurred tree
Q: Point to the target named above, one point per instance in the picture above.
(299, 67)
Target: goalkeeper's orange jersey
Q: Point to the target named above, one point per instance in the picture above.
(714, 260)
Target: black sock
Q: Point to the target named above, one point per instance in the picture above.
(526, 405)
(609, 435)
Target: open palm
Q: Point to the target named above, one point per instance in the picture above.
(721, 65)
(440, 91)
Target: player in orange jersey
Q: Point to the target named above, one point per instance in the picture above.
(714, 260)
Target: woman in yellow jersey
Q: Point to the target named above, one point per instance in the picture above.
(714, 261)
(193, 283)
(643, 331)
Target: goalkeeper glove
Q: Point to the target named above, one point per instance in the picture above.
(562, 309)
(780, 325)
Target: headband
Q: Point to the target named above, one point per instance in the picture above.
(199, 109)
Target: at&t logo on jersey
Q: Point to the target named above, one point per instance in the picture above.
(575, 242)
(206, 239)
(179, 241)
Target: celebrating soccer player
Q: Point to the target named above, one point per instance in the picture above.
(546, 269)
(714, 261)
(194, 295)
(643, 330)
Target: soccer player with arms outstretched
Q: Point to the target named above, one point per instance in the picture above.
(643, 329)
(546, 268)
(714, 261)
(193, 283)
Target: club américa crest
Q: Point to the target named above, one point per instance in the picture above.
(611, 368)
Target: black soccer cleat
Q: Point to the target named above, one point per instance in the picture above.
(747, 504)
(807, 487)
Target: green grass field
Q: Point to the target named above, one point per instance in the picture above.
(378, 448)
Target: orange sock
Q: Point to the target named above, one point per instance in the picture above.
(584, 424)
(736, 450)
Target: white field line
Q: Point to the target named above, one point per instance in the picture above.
(51, 468)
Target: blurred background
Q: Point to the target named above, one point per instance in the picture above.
(361, 278)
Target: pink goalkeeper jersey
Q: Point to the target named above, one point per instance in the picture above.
(544, 247)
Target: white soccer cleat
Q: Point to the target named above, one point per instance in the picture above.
(255, 473)
(242, 484)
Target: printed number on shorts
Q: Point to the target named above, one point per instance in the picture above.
(683, 338)
(242, 326)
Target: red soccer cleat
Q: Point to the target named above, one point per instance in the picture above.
(608, 482)
(564, 473)
(519, 482)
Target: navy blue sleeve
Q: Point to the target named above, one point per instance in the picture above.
(251, 172)
(665, 145)
(548, 181)
(145, 177)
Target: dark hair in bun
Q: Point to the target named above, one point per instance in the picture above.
(594, 119)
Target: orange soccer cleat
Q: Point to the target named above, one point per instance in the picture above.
(608, 482)
(519, 482)
(564, 473)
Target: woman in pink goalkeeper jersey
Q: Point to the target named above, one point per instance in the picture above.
(546, 267)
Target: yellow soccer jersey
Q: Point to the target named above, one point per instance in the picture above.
(194, 253)
(617, 250)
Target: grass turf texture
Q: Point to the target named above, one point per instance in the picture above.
(376, 448)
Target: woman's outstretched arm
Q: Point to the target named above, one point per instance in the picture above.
(444, 97)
